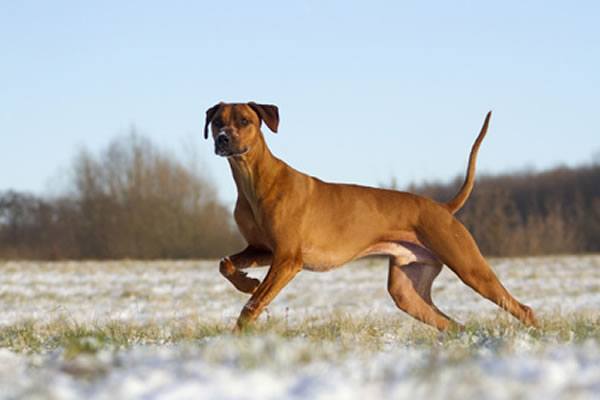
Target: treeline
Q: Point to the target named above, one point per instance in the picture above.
(129, 201)
(134, 201)
(530, 213)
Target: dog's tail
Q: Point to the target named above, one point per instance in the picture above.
(461, 197)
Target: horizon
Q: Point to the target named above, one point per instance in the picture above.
(53, 189)
(366, 93)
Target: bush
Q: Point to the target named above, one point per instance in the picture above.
(130, 201)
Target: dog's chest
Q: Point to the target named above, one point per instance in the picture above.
(249, 225)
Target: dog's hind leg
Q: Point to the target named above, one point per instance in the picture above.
(410, 287)
(231, 267)
(422, 276)
(455, 247)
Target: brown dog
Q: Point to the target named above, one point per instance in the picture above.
(293, 221)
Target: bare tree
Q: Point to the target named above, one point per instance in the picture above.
(553, 211)
(132, 200)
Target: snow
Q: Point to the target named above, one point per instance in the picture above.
(182, 372)
(165, 290)
(273, 367)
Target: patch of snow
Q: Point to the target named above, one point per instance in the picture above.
(270, 367)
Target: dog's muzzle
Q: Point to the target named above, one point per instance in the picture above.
(222, 143)
(223, 146)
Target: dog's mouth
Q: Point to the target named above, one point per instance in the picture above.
(230, 153)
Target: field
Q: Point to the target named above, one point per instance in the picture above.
(131, 329)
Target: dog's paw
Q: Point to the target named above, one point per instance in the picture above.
(226, 267)
(246, 284)
(239, 278)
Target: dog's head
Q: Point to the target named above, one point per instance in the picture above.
(236, 126)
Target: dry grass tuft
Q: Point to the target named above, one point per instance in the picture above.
(366, 334)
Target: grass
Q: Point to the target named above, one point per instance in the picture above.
(88, 352)
(108, 328)
(365, 334)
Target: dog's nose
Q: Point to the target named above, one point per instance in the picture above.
(222, 139)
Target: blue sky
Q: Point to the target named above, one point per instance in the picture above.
(366, 90)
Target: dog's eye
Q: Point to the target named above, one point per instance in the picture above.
(244, 122)
(218, 123)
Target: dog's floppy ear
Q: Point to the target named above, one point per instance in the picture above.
(210, 113)
(268, 113)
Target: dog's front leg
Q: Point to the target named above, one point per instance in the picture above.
(282, 271)
(231, 267)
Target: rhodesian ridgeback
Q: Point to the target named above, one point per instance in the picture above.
(293, 221)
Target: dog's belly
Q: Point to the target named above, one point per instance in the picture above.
(408, 252)
(321, 261)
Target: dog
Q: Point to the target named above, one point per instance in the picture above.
(292, 221)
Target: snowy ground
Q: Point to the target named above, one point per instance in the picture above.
(327, 336)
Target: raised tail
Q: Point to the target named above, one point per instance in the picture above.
(463, 194)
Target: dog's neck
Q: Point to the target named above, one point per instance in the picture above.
(255, 171)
